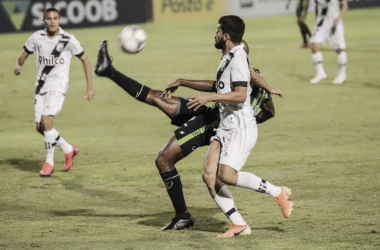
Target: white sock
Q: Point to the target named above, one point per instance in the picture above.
(50, 142)
(342, 62)
(317, 59)
(226, 203)
(251, 181)
(66, 147)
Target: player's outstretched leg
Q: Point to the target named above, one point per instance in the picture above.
(103, 65)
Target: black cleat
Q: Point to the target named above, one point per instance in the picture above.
(179, 224)
(103, 66)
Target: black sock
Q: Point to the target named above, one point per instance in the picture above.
(135, 89)
(305, 32)
(173, 186)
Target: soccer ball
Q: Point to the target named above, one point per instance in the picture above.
(132, 39)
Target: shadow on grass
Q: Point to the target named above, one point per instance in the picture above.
(204, 220)
(23, 164)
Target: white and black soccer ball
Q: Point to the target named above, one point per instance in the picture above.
(132, 39)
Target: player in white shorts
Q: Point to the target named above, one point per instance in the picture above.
(237, 132)
(54, 48)
(329, 26)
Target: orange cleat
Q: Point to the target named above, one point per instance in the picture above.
(46, 170)
(284, 202)
(305, 46)
(236, 230)
(69, 159)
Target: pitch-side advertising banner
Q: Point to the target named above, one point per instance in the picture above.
(185, 10)
(363, 3)
(87, 13)
(259, 8)
(74, 13)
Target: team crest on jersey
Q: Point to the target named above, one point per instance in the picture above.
(221, 85)
(60, 47)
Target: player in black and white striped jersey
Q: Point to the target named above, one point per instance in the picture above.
(329, 26)
(54, 48)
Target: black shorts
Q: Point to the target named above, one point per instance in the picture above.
(197, 131)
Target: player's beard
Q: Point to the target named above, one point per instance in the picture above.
(220, 44)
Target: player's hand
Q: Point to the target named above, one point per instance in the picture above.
(89, 94)
(197, 101)
(274, 91)
(17, 70)
(169, 91)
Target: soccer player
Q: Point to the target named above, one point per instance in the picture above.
(329, 26)
(301, 13)
(237, 131)
(54, 48)
(182, 143)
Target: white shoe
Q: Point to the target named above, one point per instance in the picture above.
(339, 79)
(318, 77)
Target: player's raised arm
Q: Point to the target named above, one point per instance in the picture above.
(259, 81)
(200, 85)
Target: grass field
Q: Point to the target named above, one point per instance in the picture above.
(324, 143)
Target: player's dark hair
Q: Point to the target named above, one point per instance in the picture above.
(51, 10)
(233, 26)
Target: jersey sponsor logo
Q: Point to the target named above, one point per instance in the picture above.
(50, 60)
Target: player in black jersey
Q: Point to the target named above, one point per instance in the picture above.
(301, 13)
(195, 127)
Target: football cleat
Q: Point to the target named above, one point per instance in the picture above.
(284, 202)
(179, 224)
(305, 46)
(69, 159)
(319, 77)
(236, 230)
(46, 170)
(103, 65)
(339, 79)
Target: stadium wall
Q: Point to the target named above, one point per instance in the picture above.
(94, 13)
(76, 13)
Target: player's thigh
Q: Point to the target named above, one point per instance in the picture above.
(337, 40)
(237, 145)
(39, 101)
(320, 35)
(196, 132)
(53, 103)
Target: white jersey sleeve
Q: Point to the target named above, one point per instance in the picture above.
(30, 44)
(74, 46)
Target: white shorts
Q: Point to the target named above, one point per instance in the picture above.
(236, 145)
(49, 103)
(323, 33)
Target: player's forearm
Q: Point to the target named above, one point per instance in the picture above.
(343, 9)
(87, 71)
(259, 81)
(200, 85)
(237, 96)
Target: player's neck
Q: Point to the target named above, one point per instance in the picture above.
(228, 47)
(52, 34)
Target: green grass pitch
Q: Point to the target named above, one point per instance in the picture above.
(324, 143)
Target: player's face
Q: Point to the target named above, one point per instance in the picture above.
(52, 21)
(219, 38)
